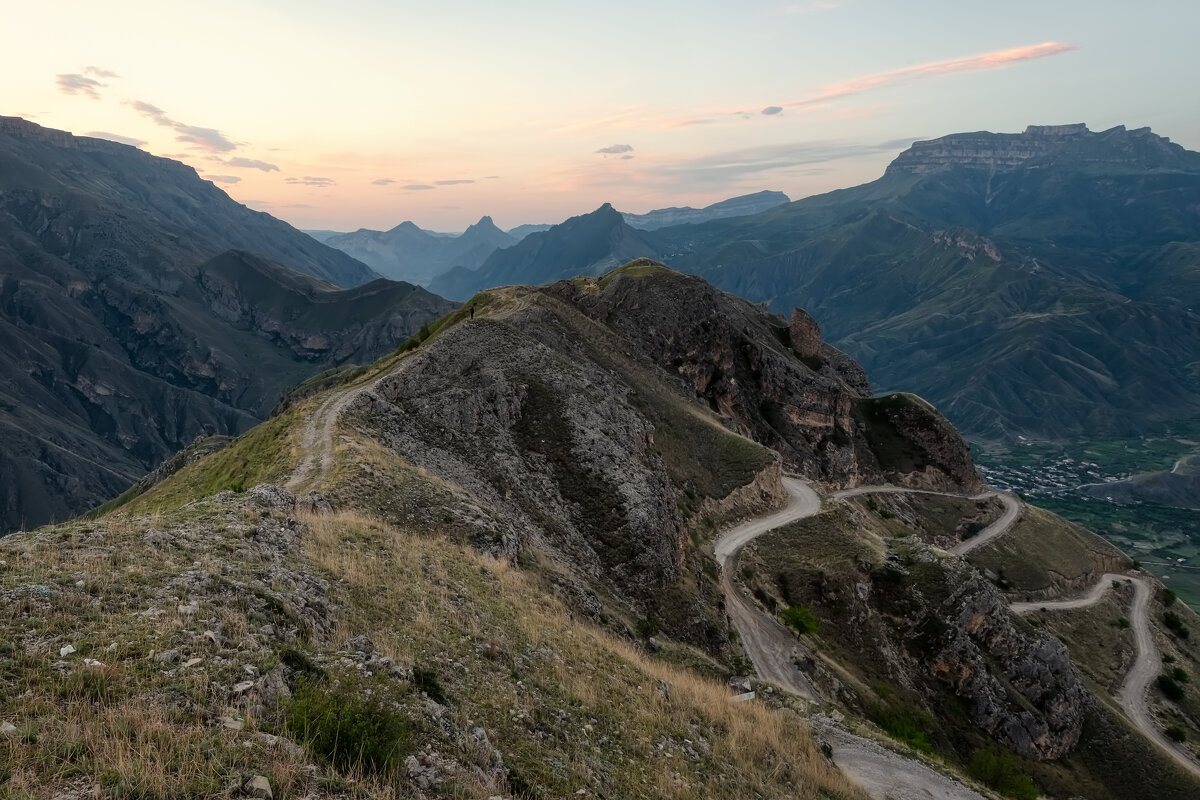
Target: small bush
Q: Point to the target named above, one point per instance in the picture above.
(1176, 733)
(1175, 623)
(1122, 622)
(1001, 770)
(1169, 687)
(767, 601)
(350, 730)
(908, 725)
(1179, 675)
(800, 618)
(647, 627)
(1169, 597)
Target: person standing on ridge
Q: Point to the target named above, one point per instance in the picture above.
(472, 312)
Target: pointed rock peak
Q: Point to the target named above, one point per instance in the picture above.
(406, 227)
(485, 223)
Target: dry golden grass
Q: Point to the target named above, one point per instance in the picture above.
(555, 690)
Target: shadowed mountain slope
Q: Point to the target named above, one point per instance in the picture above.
(128, 327)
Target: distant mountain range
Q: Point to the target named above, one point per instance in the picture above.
(409, 253)
(742, 206)
(591, 244)
(1043, 283)
(141, 307)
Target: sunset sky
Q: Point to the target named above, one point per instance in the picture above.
(365, 113)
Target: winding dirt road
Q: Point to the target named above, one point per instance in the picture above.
(316, 441)
(884, 774)
(768, 644)
(1132, 695)
(1012, 511)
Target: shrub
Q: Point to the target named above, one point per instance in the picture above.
(1176, 733)
(1122, 622)
(1179, 675)
(351, 731)
(1168, 597)
(1169, 687)
(1001, 770)
(1175, 623)
(801, 618)
(908, 725)
(647, 627)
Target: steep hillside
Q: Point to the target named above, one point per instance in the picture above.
(501, 567)
(407, 253)
(129, 326)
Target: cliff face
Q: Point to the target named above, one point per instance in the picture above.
(1042, 145)
(775, 382)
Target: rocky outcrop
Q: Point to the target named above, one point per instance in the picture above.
(1040, 145)
(805, 334)
(776, 383)
(984, 648)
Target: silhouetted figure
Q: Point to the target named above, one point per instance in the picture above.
(472, 312)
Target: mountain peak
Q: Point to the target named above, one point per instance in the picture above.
(1041, 146)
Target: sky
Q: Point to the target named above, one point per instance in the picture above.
(367, 113)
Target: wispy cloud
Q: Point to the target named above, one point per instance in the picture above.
(251, 163)
(453, 182)
(616, 149)
(828, 95)
(116, 137)
(383, 182)
(223, 178)
(208, 139)
(311, 180)
(895, 77)
(100, 72)
(74, 83)
(419, 187)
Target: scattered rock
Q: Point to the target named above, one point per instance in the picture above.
(740, 684)
(243, 687)
(167, 656)
(259, 787)
(7, 729)
(66, 650)
(231, 724)
(653, 645)
(361, 644)
(91, 662)
(188, 609)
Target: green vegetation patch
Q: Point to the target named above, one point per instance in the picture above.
(261, 455)
(799, 618)
(1001, 770)
(354, 731)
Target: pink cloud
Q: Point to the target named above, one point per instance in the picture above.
(894, 77)
(825, 97)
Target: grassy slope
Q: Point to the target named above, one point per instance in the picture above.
(567, 705)
(1044, 555)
